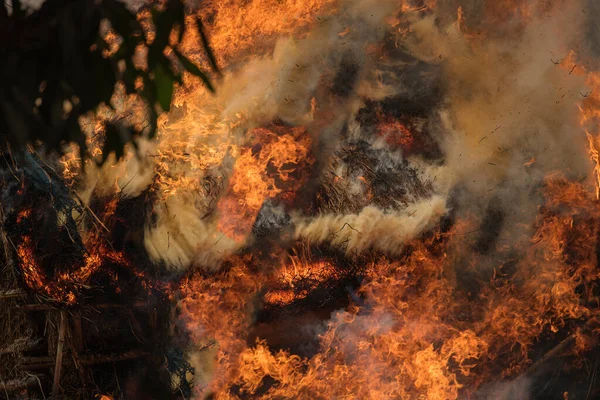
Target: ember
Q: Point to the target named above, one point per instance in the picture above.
(388, 199)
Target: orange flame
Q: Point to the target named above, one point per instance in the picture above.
(409, 339)
(261, 172)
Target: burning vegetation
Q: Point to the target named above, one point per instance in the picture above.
(391, 199)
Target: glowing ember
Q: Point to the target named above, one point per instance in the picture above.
(297, 280)
(396, 134)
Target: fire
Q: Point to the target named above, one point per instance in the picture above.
(407, 339)
(62, 283)
(262, 171)
(212, 302)
(62, 286)
(596, 160)
(396, 134)
(506, 16)
(589, 109)
(297, 280)
(23, 215)
(33, 276)
(238, 27)
(417, 305)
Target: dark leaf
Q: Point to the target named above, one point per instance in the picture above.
(16, 124)
(103, 77)
(194, 70)
(122, 20)
(3, 12)
(125, 23)
(129, 76)
(149, 91)
(154, 55)
(163, 23)
(114, 142)
(152, 120)
(17, 9)
(211, 56)
(176, 12)
(68, 37)
(171, 70)
(68, 64)
(149, 94)
(49, 96)
(163, 80)
(91, 24)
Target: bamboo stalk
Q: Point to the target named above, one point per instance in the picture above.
(59, 353)
(14, 385)
(49, 307)
(555, 352)
(11, 294)
(78, 332)
(21, 345)
(76, 344)
(562, 348)
(136, 328)
(34, 363)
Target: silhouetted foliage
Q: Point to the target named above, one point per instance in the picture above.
(57, 66)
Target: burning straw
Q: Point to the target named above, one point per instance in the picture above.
(384, 199)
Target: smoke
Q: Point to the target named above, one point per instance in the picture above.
(199, 141)
(280, 85)
(519, 388)
(372, 228)
(507, 116)
(510, 110)
(179, 237)
(129, 177)
(507, 101)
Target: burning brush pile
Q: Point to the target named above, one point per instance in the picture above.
(383, 200)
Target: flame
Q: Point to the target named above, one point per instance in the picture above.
(62, 287)
(238, 27)
(396, 134)
(511, 14)
(23, 215)
(64, 284)
(590, 112)
(297, 279)
(262, 171)
(407, 339)
(438, 320)
(589, 109)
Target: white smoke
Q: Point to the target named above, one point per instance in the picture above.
(280, 85)
(506, 104)
(372, 228)
(519, 388)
